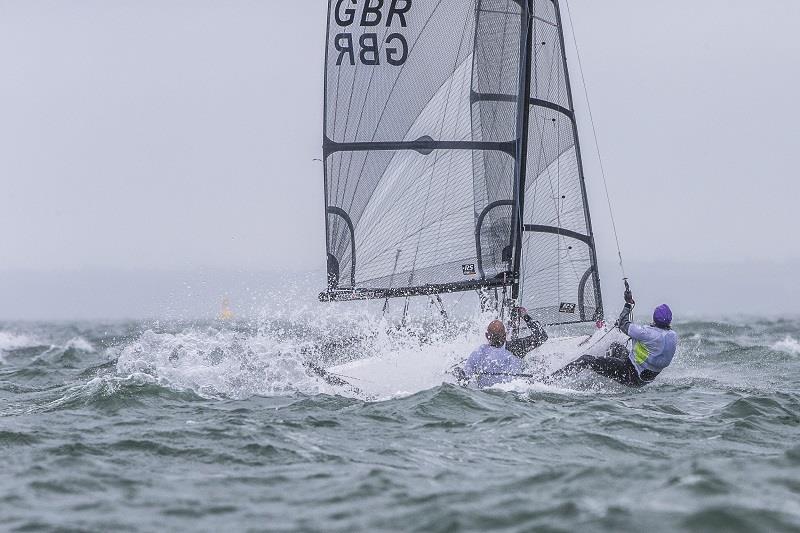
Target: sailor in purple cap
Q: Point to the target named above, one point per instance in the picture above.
(652, 350)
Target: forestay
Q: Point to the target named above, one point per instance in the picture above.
(428, 164)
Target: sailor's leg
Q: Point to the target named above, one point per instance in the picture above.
(617, 351)
(620, 370)
(574, 367)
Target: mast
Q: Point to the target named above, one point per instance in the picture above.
(523, 123)
(593, 251)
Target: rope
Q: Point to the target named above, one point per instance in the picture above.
(596, 142)
(600, 339)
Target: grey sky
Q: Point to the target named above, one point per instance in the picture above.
(169, 134)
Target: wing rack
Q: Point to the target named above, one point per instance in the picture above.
(350, 295)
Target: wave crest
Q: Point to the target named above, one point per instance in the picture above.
(788, 345)
(222, 363)
(15, 341)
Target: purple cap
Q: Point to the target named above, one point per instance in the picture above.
(662, 316)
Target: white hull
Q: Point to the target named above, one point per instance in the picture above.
(409, 371)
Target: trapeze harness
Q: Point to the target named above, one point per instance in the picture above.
(652, 351)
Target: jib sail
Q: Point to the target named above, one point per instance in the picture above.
(558, 267)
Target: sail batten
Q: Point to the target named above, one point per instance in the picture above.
(422, 146)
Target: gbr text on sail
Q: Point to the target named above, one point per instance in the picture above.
(358, 39)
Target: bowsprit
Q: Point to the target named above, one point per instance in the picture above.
(366, 47)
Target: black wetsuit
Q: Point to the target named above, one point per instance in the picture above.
(616, 364)
(522, 346)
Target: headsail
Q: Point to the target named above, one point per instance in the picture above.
(426, 153)
(558, 271)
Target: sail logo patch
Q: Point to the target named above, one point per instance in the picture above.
(366, 48)
(469, 269)
(567, 308)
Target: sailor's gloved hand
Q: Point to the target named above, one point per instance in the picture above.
(629, 298)
(521, 311)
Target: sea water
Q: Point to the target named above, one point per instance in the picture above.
(217, 426)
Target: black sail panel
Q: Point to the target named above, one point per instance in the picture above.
(419, 163)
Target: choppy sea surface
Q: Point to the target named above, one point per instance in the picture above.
(148, 426)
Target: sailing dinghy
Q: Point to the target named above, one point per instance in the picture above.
(452, 162)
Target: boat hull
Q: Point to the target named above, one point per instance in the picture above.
(410, 371)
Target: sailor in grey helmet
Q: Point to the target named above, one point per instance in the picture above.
(652, 350)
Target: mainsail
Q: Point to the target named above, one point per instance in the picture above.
(451, 155)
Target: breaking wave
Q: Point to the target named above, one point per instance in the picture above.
(272, 359)
(215, 362)
(788, 345)
(14, 341)
(80, 344)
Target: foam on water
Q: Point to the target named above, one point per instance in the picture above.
(218, 362)
(788, 345)
(15, 341)
(81, 344)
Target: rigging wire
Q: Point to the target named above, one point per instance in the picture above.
(596, 141)
(391, 280)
